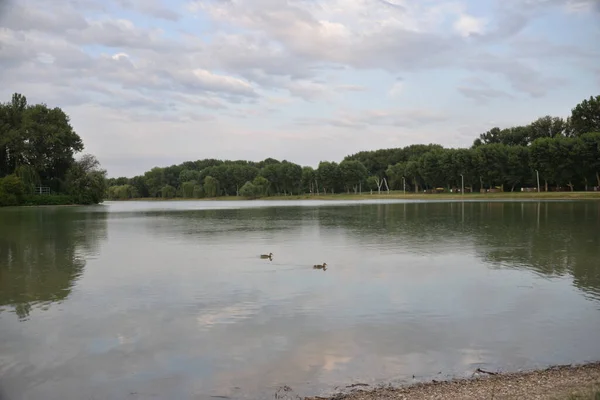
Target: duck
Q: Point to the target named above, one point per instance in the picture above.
(321, 266)
(270, 255)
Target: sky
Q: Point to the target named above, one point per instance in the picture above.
(153, 83)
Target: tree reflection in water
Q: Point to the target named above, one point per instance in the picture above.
(549, 238)
(43, 252)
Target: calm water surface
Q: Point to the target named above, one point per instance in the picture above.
(170, 299)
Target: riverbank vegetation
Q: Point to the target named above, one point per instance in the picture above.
(37, 163)
(551, 153)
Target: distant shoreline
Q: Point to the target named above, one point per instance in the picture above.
(401, 196)
(566, 382)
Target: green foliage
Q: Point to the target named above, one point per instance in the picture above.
(585, 117)
(187, 189)
(168, 192)
(211, 187)
(48, 200)
(328, 175)
(261, 185)
(372, 183)
(352, 173)
(85, 181)
(37, 147)
(28, 176)
(122, 192)
(249, 190)
(198, 192)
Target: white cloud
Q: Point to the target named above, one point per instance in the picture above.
(396, 89)
(271, 78)
(467, 25)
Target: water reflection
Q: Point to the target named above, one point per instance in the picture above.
(550, 238)
(43, 252)
(178, 304)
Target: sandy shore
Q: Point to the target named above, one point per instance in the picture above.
(561, 382)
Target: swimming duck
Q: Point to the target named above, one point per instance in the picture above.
(321, 266)
(270, 255)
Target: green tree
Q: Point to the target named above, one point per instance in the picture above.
(86, 181)
(541, 159)
(211, 187)
(412, 170)
(308, 179)
(39, 137)
(198, 191)
(396, 175)
(585, 117)
(517, 169)
(328, 175)
(589, 156)
(187, 189)
(249, 190)
(168, 192)
(352, 174)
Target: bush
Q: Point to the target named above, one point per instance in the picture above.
(11, 191)
(7, 200)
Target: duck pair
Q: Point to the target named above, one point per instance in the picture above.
(317, 266)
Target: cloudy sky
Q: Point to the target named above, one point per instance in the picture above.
(151, 83)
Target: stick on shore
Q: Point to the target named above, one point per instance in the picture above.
(567, 382)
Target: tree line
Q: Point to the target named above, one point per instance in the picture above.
(563, 153)
(37, 150)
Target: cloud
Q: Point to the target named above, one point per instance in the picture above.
(233, 76)
(482, 94)
(360, 119)
(467, 25)
(396, 88)
(152, 8)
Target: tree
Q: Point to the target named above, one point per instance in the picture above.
(540, 157)
(517, 168)
(249, 190)
(328, 175)
(396, 174)
(187, 189)
(211, 187)
(412, 170)
(352, 174)
(490, 162)
(261, 185)
(589, 154)
(168, 192)
(585, 117)
(37, 136)
(86, 181)
(308, 179)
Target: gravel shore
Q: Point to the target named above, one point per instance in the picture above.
(561, 382)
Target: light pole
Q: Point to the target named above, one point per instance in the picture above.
(462, 184)
(538, 179)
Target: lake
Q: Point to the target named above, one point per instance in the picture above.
(171, 299)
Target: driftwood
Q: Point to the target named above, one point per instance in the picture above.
(485, 372)
(357, 384)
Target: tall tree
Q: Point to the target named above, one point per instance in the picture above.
(585, 117)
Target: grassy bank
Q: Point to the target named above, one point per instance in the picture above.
(38, 200)
(409, 196)
(580, 382)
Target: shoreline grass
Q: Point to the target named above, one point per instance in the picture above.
(398, 195)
